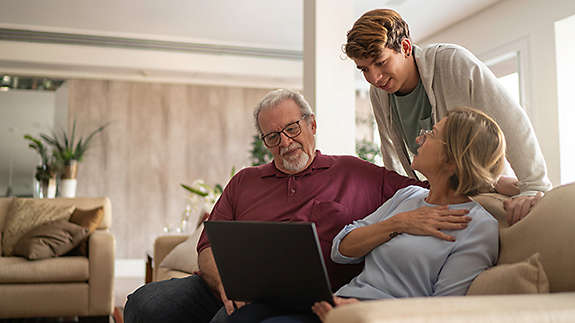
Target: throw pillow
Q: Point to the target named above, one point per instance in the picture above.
(49, 240)
(526, 277)
(26, 214)
(184, 257)
(89, 219)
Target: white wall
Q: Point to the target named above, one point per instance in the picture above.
(564, 36)
(61, 107)
(22, 112)
(534, 21)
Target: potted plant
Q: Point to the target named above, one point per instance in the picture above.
(68, 152)
(46, 172)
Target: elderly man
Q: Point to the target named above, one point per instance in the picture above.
(300, 184)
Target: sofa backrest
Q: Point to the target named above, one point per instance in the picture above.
(548, 229)
(79, 202)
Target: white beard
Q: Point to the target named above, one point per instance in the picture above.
(298, 163)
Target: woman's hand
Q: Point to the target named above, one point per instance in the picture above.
(322, 308)
(424, 221)
(428, 221)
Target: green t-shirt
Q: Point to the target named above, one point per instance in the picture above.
(413, 111)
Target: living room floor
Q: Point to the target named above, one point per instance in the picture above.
(124, 286)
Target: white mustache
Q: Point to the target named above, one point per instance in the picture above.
(292, 146)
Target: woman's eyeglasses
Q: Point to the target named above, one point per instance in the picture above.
(423, 134)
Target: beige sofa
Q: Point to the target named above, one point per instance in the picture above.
(549, 230)
(61, 286)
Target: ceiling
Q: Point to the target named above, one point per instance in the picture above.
(252, 23)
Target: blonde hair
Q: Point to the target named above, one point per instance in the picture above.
(373, 31)
(476, 145)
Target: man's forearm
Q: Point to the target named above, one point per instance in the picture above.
(208, 268)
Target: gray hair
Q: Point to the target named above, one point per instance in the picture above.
(275, 97)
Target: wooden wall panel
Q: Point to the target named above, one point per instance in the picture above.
(160, 135)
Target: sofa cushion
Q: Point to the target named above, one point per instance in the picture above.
(493, 203)
(184, 257)
(526, 277)
(52, 270)
(50, 240)
(89, 219)
(26, 214)
(549, 230)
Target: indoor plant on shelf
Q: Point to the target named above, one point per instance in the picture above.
(45, 176)
(68, 153)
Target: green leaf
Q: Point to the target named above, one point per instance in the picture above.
(193, 190)
(73, 135)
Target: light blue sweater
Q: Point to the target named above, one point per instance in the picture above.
(412, 266)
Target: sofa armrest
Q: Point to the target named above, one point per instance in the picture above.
(163, 245)
(556, 307)
(101, 281)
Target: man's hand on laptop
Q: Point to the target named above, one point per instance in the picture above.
(230, 305)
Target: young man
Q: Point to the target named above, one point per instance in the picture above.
(412, 88)
(300, 184)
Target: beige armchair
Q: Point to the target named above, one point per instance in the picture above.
(61, 286)
(162, 247)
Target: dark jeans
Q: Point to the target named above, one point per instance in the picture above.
(176, 300)
(258, 312)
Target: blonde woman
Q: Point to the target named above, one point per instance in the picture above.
(462, 155)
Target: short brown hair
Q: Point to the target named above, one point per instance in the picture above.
(476, 144)
(373, 31)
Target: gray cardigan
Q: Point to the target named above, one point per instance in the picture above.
(453, 77)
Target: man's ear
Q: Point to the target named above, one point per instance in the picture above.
(406, 47)
(313, 124)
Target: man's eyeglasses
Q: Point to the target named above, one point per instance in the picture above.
(274, 138)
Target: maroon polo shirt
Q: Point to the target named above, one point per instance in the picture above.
(332, 192)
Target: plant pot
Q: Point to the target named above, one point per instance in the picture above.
(70, 170)
(68, 187)
(68, 182)
(45, 189)
(51, 191)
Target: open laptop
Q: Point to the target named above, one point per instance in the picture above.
(278, 263)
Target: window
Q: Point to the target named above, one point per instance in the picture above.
(506, 69)
(565, 51)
